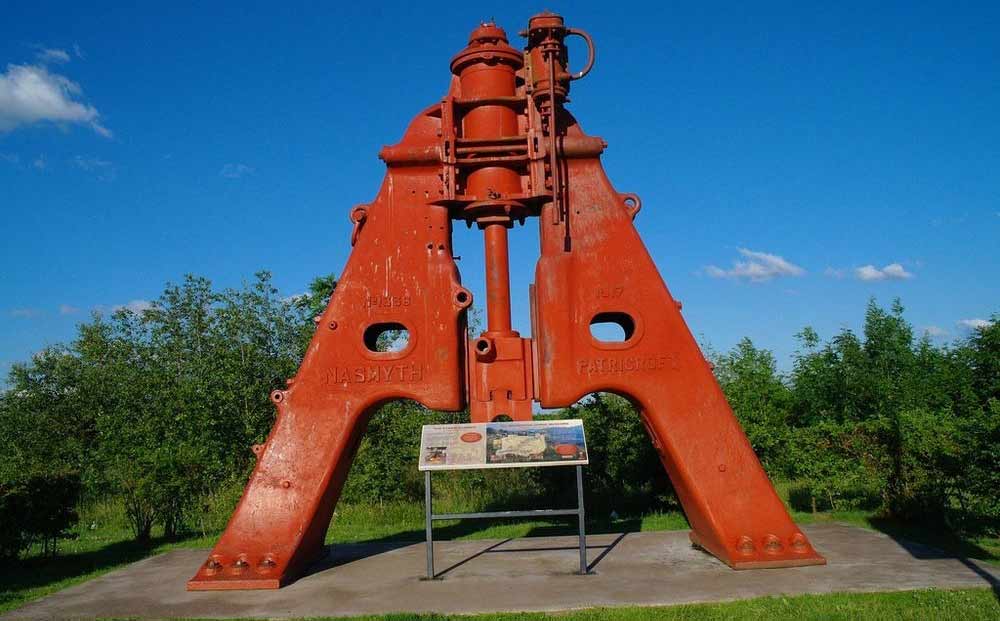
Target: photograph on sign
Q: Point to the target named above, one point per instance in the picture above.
(503, 445)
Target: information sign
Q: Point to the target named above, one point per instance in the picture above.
(503, 445)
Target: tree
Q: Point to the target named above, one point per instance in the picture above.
(159, 409)
(625, 473)
(39, 508)
(310, 306)
(181, 392)
(759, 398)
(980, 427)
(46, 422)
(984, 358)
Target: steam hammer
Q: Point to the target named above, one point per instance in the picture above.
(498, 149)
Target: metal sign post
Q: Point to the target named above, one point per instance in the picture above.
(515, 444)
(430, 517)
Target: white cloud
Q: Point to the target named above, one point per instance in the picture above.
(893, 271)
(79, 53)
(235, 171)
(759, 267)
(974, 324)
(136, 306)
(31, 94)
(66, 309)
(39, 162)
(935, 331)
(50, 55)
(869, 272)
(11, 158)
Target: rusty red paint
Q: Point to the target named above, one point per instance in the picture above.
(499, 148)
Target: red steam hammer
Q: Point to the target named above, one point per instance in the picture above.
(499, 148)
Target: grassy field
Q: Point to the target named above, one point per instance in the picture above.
(967, 605)
(103, 544)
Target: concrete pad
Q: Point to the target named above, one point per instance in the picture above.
(656, 568)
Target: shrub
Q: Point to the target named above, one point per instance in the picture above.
(38, 509)
(625, 474)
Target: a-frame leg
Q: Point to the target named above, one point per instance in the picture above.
(604, 273)
(392, 280)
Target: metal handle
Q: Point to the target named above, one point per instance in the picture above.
(358, 216)
(590, 52)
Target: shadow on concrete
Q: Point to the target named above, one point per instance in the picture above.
(338, 554)
(341, 554)
(492, 548)
(607, 548)
(40, 572)
(928, 543)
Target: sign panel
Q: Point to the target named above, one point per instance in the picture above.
(503, 445)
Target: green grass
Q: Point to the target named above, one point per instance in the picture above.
(967, 605)
(103, 544)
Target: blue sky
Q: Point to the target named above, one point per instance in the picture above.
(793, 159)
